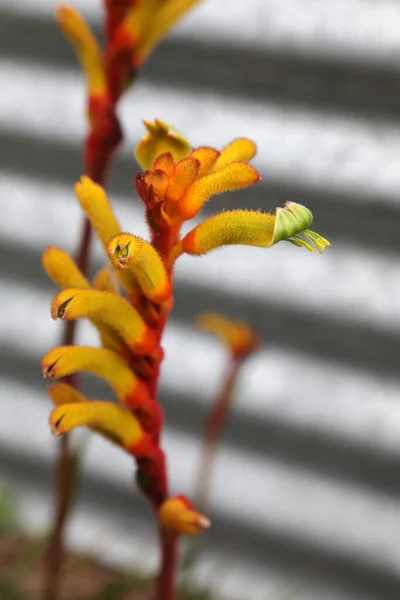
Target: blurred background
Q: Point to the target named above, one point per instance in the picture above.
(306, 489)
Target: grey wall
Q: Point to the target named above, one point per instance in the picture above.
(307, 485)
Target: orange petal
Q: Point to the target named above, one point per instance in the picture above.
(235, 176)
(239, 338)
(241, 149)
(65, 360)
(160, 138)
(176, 514)
(158, 180)
(62, 269)
(207, 158)
(163, 20)
(185, 173)
(116, 422)
(131, 252)
(86, 47)
(109, 308)
(165, 163)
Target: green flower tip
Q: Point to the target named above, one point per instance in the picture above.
(295, 219)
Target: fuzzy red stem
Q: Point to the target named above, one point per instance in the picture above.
(165, 588)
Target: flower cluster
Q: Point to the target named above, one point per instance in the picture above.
(129, 300)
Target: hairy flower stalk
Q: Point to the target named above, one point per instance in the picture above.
(133, 29)
(175, 185)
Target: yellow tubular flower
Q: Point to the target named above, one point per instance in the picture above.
(241, 149)
(237, 336)
(105, 280)
(161, 138)
(86, 47)
(109, 308)
(234, 176)
(65, 360)
(207, 158)
(176, 514)
(252, 229)
(115, 422)
(62, 269)
(95, 204)
(164, 19)
(131, 252)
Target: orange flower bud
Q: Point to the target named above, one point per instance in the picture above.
(207, 158)
(177, 514)
(109, 308)
(65, 360)
(239, 338)
(131, 252)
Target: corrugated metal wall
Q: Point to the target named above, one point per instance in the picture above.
(307, 485)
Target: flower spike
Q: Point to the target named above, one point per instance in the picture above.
(115, 422)
(109, 308)
(252, 229)
(131, 252)
(66, 360)
(86, 47)
(177, 514)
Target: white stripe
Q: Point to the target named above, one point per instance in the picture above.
(361, 29)
(341, 403)
(256, 491)
(346, 283)
(296, 146)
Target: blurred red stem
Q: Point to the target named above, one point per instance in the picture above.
(213, 429)
(165, 589)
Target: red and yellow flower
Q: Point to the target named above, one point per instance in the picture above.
(176, 184)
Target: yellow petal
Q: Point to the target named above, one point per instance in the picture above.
(86, 47)
(115, 422)
(207, 158)
(62, 269)
(64, 393)
(131, 252)
(239, 338)
(241, 149)
(235, 176)
(164, 19)
(97, 208)
(109, 308)
(160, 138)
(251, 229)
(176, 514)
(185, 173)
(66, 360)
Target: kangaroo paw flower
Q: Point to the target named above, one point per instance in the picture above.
(86, 47)
(109, 308)
(130, 252)
(178, 515)
(64, 393)
(62, 269)
(114, 422)
(252, 229)
(65, 360)
(240, 149)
